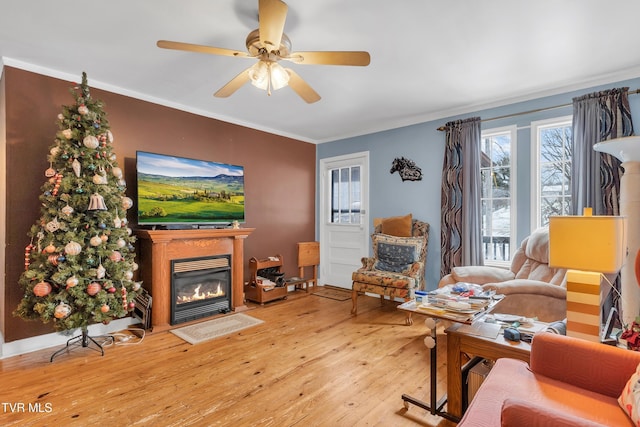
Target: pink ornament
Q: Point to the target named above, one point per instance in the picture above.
(42, 289)
(115, 256)
(93, 288)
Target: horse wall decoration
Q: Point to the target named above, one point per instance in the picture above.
(407, 169)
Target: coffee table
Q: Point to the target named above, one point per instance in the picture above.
(459, 343)
(435, 405)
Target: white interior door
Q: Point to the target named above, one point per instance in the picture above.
(344, 224)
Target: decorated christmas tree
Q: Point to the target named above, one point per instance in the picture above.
(79, 264)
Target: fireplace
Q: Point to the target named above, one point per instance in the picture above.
(200, 287)
(159, 247)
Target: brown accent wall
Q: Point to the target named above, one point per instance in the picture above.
(279, 172)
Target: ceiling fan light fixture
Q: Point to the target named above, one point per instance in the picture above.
(259, 75)
(279, 76)
(268, 75)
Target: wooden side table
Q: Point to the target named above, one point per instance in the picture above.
(459, 343)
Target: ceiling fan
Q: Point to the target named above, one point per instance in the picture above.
(270, 45)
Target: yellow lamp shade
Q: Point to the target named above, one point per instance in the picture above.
(588, 243)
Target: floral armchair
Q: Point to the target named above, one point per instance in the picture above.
(396, 269)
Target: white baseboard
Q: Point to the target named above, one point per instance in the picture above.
(40, 342)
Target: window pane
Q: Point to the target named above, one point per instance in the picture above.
(345, 195)
(550, 206)
(335, 195)
(554, 170)
(500, 181)
(551, 180)
(486, 182)
(355, 195)
(496, 172)
(501, 150)
(552, 146)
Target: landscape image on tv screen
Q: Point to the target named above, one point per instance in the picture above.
(178, 190)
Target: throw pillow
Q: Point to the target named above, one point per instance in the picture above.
(481, 274)
(629, 399)
(395, 253)
(397, 226)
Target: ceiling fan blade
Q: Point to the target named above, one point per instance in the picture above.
(358, 58)
(236, 83)
(302, 88)
(272, 16)
(166, 44)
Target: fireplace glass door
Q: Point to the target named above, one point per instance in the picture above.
(200, 287)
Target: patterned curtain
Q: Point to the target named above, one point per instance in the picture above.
(595, 176)
(461, 224)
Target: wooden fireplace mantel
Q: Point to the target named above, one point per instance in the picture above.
(159, 247)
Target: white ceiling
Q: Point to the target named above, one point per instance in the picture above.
(430, 59)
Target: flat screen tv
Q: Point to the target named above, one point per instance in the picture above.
(174, 191)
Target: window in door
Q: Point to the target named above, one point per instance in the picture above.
(498, 199)
(551, 160)
(345, 195)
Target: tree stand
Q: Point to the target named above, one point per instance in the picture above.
(83, 340)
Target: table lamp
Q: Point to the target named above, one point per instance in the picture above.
(588, 247)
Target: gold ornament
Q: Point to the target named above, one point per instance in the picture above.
(62, 310)
(67, 210)
(53, 226)
(127, 203)
(90, 141)
(76, 167)
(73, 248)
(72, 281)
(100, 272)
(95, 241)
(96, 203)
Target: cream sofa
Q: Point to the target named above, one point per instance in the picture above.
(530, 287)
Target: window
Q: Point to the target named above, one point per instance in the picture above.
(551, 161)
(497, 167)
(345, 195)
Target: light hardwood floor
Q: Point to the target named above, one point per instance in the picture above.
(309, 364)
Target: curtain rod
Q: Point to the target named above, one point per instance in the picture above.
(522, 113)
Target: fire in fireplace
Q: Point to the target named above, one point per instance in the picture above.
(200, 287)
